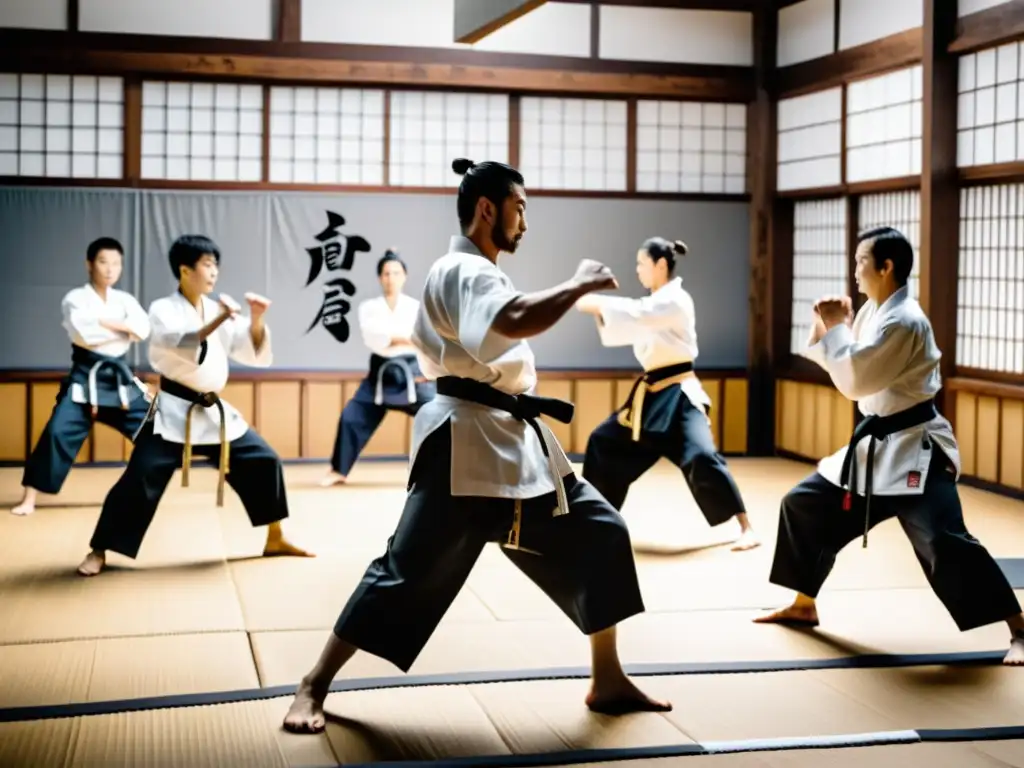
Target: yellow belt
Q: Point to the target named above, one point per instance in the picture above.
(225, 448)
(632, 416)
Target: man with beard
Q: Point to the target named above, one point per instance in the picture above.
(484, 468)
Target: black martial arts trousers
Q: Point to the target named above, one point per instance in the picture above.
(358, 421)
(585, 563)
(255, 472)
(814, 527)
(66, 431)
(614, 461)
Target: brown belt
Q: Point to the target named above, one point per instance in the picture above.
(200, 400)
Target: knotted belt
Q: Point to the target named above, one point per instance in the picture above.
(87, 358)
(379, 364)
(200, 400)
(632, 412)
(528, 408)
(877, 428)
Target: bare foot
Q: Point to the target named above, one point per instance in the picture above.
(332, 478)
(1015, 656)
(621, 697)
(306, 714)
(23, 509)
(747, 540)
(792, 615)
(284, 548)
(92, 564)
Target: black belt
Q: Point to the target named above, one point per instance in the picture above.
(528, 408)
(200, 400)
(94, 361)
(632, 410)
(876, 428)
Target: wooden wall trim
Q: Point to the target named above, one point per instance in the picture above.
(46, 51)
(991, 26)
(874, 186)
(893, 52)
(986, 387)
(289, 21)
(992, 173)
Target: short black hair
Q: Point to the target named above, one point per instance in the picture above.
(490, 180)
(390, 255)
(890, 245)
(102, 244)
(187, 250)
(660, 248)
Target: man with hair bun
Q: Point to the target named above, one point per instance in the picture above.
(485, 468)
(667, 411)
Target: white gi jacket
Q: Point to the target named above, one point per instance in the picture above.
(174, 352)
(493, 454)
(886, 363)
(662, 329)
(378, 324)
(83, 308)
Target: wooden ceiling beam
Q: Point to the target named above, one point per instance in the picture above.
(153, 55)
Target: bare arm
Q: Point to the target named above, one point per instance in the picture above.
(533, 313)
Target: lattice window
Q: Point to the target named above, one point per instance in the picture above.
(326, 136)
(691, 147)
(430, 129)
(820, 262)
(202, 131)
(990, 114)
(990, 303)
(61, 126)
(883, 126)
(901, 210)
(810, 140)
(573, 143)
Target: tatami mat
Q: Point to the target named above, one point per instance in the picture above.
(200, 611)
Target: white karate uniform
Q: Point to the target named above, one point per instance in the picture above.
(379, 324)
(493, 454)
(174, 350)
(887, 363)
(83, 309)
(662, 329)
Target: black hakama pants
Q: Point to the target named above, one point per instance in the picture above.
(814, 527)
(585, 563)
(254, 472)
(672, 428)
(362, 415)
(68, 428)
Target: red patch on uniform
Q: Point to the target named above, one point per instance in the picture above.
(913, 479)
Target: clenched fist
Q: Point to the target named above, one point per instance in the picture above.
(594, 276)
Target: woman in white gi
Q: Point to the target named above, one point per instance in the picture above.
(666, 414)
(102, 323)
(395, 381)
(902, 460)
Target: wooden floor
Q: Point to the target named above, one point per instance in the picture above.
(198, 612)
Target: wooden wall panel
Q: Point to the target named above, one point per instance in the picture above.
(1011, 449)
(966, 430)
(107, 444)
(986, 459)
(734, 412)
(278, 414)
(594, 403)
(812, 420)
(714, 390)
(321, 408)
(13, 421)
(298, 416)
